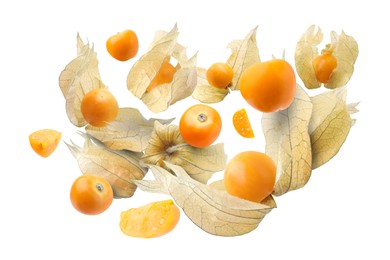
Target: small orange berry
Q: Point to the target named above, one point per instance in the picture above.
(123, 46)
(324, 65)
(219, 75)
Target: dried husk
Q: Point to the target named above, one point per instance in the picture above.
(119, 168)
(79, 77)
(220, 185)
(343, 47)
(214, 211)
(166, 144)
(305, 52)
(288, 143)
(145, 69)
(130, 131)
(205, 93)
(244, 54)
(330, 124)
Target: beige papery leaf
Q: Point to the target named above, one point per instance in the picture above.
(130, 130)
(82, 47)
(288, 143)
(305, 52)
(220, 185)
(80, 76)
(330, 124)
(167, 144)
(206, 93)
(118, 167)
(163, 48)
(346, 51)
(343, 47)
(214, 211)
(244, 54)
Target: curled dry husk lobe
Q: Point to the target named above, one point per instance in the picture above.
(146, 68)
(166, 144)
(330, 124)
(306, 135)
(118, 167)
(244, 54)
(79, 77)
(130, 131)
(343, 47)
(288, 143)
(214, 211)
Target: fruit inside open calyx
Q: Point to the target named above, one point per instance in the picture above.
(164, 75)
(324, 65)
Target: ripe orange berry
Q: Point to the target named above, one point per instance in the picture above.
(164, 75)
(200, 125)
(99, 107)
(268, 86)
(123, 46)
(91, 194)
(324, 65)
(250, 175)
(219, 75)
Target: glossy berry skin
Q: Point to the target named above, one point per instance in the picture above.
(250, 175)
(219, 75)
(123, 46)
(163, 76)
(268, 86)
(324, 66)
(200, 125)
(99, 107)
(91, 194)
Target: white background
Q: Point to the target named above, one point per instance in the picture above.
(342, 213)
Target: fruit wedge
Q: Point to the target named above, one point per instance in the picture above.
(242, 124)
(45, 141)
(151, 220)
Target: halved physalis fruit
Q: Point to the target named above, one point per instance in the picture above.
(242, 124)
(151, 220)
(44, 141)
